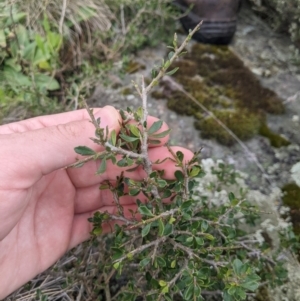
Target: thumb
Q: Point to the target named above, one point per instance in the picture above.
(32, 154)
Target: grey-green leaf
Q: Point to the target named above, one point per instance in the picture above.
(84, 151)
(102, 167)
(146, 230)
(162, 134)
(128, 138)
(155, 127)
(145, 211)
(172, 71)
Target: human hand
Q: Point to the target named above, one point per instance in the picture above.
(43, 207)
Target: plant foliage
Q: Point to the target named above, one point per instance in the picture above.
(185, 246)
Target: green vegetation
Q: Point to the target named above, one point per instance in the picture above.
(291, 198)
(52, 55)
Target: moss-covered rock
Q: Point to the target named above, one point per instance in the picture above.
(291, 198)
(133, 66)
(243, 124)
(262, 294)
(275, 139)
(217, 79)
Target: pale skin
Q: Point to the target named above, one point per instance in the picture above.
(43, 206)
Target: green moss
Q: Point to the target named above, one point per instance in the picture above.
(181, 104)
(187, 68)
(127, 91)
(218, 79)
(291, 198)
(262, 294)
(275, 139)
(133, 67)
(243, 123)
(248, 91)
(157, 94)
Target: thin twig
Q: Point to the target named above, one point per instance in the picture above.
(62, 17)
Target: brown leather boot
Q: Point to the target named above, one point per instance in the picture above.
(219, 19)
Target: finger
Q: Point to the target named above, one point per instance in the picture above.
(45, 121)
(86, 175)
(47, 149)
(92, 198)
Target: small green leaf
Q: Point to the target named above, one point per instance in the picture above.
(240, 292)
(155, 127)
(251, 285)
(102, 167)
(161, 262)
(161, 227)
(168, 229)
(144, 262)
(186, 205)
(172, 71)
(194, 171)
(172, 220)
(128, 138)
(134, 191)
(188, 293)
(161, 183)
(154, 142)
(122, 162)
(208, 236)
(234, 202)
(179, 176)
(97, 231)
(113, 138)
(116, 265)
(173, 264)
(237, 266)
(129, 161)
(84, 151)
(197, 290)
(227, 297)
(144, 210)
(199, 241)
(232, 290)
(165, 290)
(162, 283)
(231, 196)
(167, 64)
(170, 55)
(166, 194)
(123, 115)
(190, 239)
(161, 135)
(134, 130)
(204, 226)
(146, 230)
(180, 156)
(2, 38)
(44, 81)
(154, 73)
